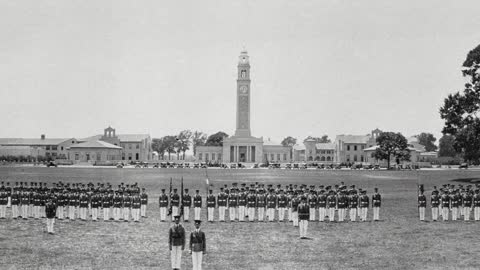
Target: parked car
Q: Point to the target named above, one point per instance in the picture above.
(186, 165)
(51, 163)
(196, 165)
(288, 166)
(233, 166)
(119, 165)
(156, 165)
(463, 166)
(204, 165)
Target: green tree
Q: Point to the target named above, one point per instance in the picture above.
(184, 141)
(391, 145)
(323, 139)
(289, 142)
(461, 108)
(446, 146)
(216, 139)
(427, 140)
(198, 139)
(159, 146)
(170, 144)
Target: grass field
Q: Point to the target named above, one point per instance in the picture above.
(399, 241)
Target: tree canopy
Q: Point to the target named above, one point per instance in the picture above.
(216, 139)
(461, 108)
(198, 139)
(427, 140)
(391, 145)
(323, 139)
(446, 146)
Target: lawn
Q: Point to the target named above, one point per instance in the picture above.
(399, 241)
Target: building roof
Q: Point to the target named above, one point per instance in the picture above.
(325, 146)
(353, 138)
(95, 144)
(410, 147)
(271, 143)
(121, 137)
(25, 141)
(299, 147)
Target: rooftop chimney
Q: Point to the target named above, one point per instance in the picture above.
(42, 136)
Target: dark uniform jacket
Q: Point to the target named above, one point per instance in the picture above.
(211, 201)
(233, 200)
(50, 210)
(197, 241)
(303, 211)
(197, 200)
(176, 236)
(271, 201)
(175, 199)
(144, 199)
(435, 199)
(364, 201)
(187, 200)
(282, 201)
(163, 200)
(422, 201)
(376, 200)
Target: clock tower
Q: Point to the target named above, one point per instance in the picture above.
(243, 96)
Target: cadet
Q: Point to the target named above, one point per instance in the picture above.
(197, 204)
(321, 205)
(83, 205)
(289, 203)
(50, 212)
(127, 203)
(282, 205)
(117, 206)
(242, 204)
(37, 200)
(303, 216)
(312, 203)
(271, 205)
(16, 204)
(332, 202)
(211, 203)
(95, 203)
(476, 205)
(136, 204)
(422, 203)
(376, 204)
(232, 204)
(175, 202)
(364, 204)
(143, 203)
(341, 205)
(187, 203)
(222, 204)
(467, 205)
(198, 246)
(454, 198)
(163, 204)
(176, 242)
(8, 189)
(295, 203)
(60, 204)
(445, 205)
(107, 203)
(261, 205)
(353, 204)
(435, 200)
(3, 203)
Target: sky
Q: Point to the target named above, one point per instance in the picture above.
(73, 68)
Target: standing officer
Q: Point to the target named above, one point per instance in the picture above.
(251, 203)
(95, 203)
(295, 203)
(198, 246)
(211, 203)
(332, 203)
(83, 206)
(303, 216)
(50, 211)
(353, 204)
(364, 204)
(376, 204)
(261, 205)
(3, 203)
(321, 204)
(197, 204)
(15, 204)
(242, 204)
(222, 205)
(117, 206)
(341, 205)
(422, 204)
(435, 200)
(312, 203)
(127, 204)
(467, 205)
(176, 242)
(476, 205)
(106, 204)
(60, 204)
(175, 203)
(445, 205)
(143, 203)
(163, 204)
(136, 205)
(232, 204)
(187, 203)
(454, 199)
(271, 205)
(282, 205)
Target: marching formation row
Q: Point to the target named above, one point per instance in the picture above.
(451, 202)
(260, 203)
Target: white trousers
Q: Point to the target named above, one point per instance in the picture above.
(233, 213)
(94, 214)
(364, 213)
(3, 210)
(36, 211)
(15, 212)
(42, 212)
(197, 211)
(9, 202)
(186, 213)
(30, 210)
(281, 214)
(126, 213)
(476, 213)
(454, 213)
(50, 222)
(197, 258)
(143, 210)
(353, 214)
(136, 214)
(116, 213)
(174, 211)
(341, 214)
(321, 214)
(221, 213)
(331, 213)
(106, 213)
(24, 211)
(71, 212)
(210, 211)
(261, 213)
(295, 218)
(466, 213)
(60, 212)
(176, 256)
(445, 213)
(271, 214)
(434, 213)
(251, 213)
(303, 228)
(241, 213)
(163, 213)
(312, 213)
(376, 213)
(290, 217)
(421, 211)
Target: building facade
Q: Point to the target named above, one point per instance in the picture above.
(94, 152)
(46, 147)
(242, 147)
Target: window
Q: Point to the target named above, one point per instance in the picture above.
(278, 157)
(355, 158)
(213, 156)
(361, 158)
(129, 156)
(54, 147)
(266, 157)
(99, 156)
(123, 156)
(129, 146)
(244, 74)
(348, 147)
(272, 157)
(323, 152)
(355, 147)
(206, 156)
(61, 148)
(77, 156)
(348, 158)
(323, 158)
(219, 156)
(363, 147)
(200, 156)
(48, 147)
(284, 157)
(138, 146)
(328, 158)
(73, 142)
(137, 156)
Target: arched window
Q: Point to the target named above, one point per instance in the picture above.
(328, 158)
(317, 158)
(244, 74)
(310, 158)
(323, 158)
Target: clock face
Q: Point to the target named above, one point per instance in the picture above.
(243, 89)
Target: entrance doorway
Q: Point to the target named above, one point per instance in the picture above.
(242, 153)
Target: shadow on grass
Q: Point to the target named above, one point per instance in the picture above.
(466, 180)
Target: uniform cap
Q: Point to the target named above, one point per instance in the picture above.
(186, 190)
(197, 221)
(163, 190)
(197, 190)
(177, 217)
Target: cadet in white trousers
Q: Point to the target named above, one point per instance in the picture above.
(198, 246)
(176, 236)
(422, 204)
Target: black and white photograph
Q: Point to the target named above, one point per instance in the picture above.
(256, 135)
